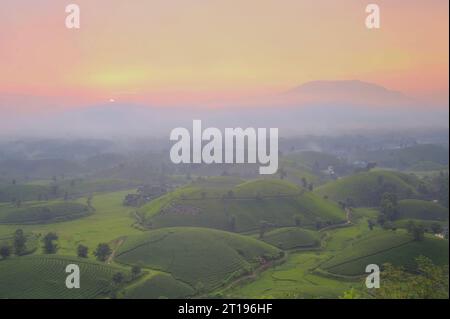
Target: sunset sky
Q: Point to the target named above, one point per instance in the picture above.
(173, 51)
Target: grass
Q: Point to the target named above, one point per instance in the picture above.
(382, 247)
(242, 207)
(109, 221)
(292, 238)
(23, 192)
(203, 258)
(292, 279)
(159, 286)
(42, 277)
(42, 213)
(366, 189)
(420, 209)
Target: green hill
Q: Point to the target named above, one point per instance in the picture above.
(25, 192)
(420, 209)
(385, 247)
(44, 277)
(316, 160)
(411, 158)
(242, 207)
(42, 213)
(292, 238)
(159, 286)
(366, 189)
(203, 258)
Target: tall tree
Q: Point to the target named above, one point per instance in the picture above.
(19, 242)
(102, 252)
(50, 247)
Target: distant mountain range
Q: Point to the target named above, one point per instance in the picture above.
(323, 107)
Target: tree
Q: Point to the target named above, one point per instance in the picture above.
(282, 173)
(232, 223)
(427, 281)
(304, 182)
(89, 201)
(298, 220)
(118, 278)
(350, 294)
(389, 205)
(135, 271)
(418, 233)
(5, 251)
(50, 247)
(436, 228)
(263, 228)
(102, 252)
(82, 251)
(19, 242)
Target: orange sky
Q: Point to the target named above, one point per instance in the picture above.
(152, 51)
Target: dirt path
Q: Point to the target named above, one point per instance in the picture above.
(117, 243)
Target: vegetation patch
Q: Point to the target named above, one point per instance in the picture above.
(292, 238)
(203, 258)
(160, 286)
(44, 277)
(42, 213)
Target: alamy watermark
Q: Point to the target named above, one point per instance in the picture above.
(235, 146)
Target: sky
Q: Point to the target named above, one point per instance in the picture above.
(176, 52)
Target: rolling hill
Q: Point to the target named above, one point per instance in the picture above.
(292, 238)
(42, 212)
(242, 207)
(203, 258)
(366, 189)
(385, 247)
(420, 209)
(420, 157)
(44, 277)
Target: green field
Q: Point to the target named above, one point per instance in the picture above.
(292, 238)
(366, 189)
(109, 221)
(41, 277)
(42, 213)
(242, 207)
(159, 286)
(203, 258)
(292, 279)
(419, 209)
(385, 247)
(204, 239)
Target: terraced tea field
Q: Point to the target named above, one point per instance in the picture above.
(203, 258)
(40, 277)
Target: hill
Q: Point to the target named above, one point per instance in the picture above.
(203, 258)
(44, 277)
(292, 238)
(385, 247)
(420, 209)
(366, 189)
(42, 213)
(242, 207)
(420, 157)
(159, 286)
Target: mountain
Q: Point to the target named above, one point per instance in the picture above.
(319, 107)
(347, 92)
